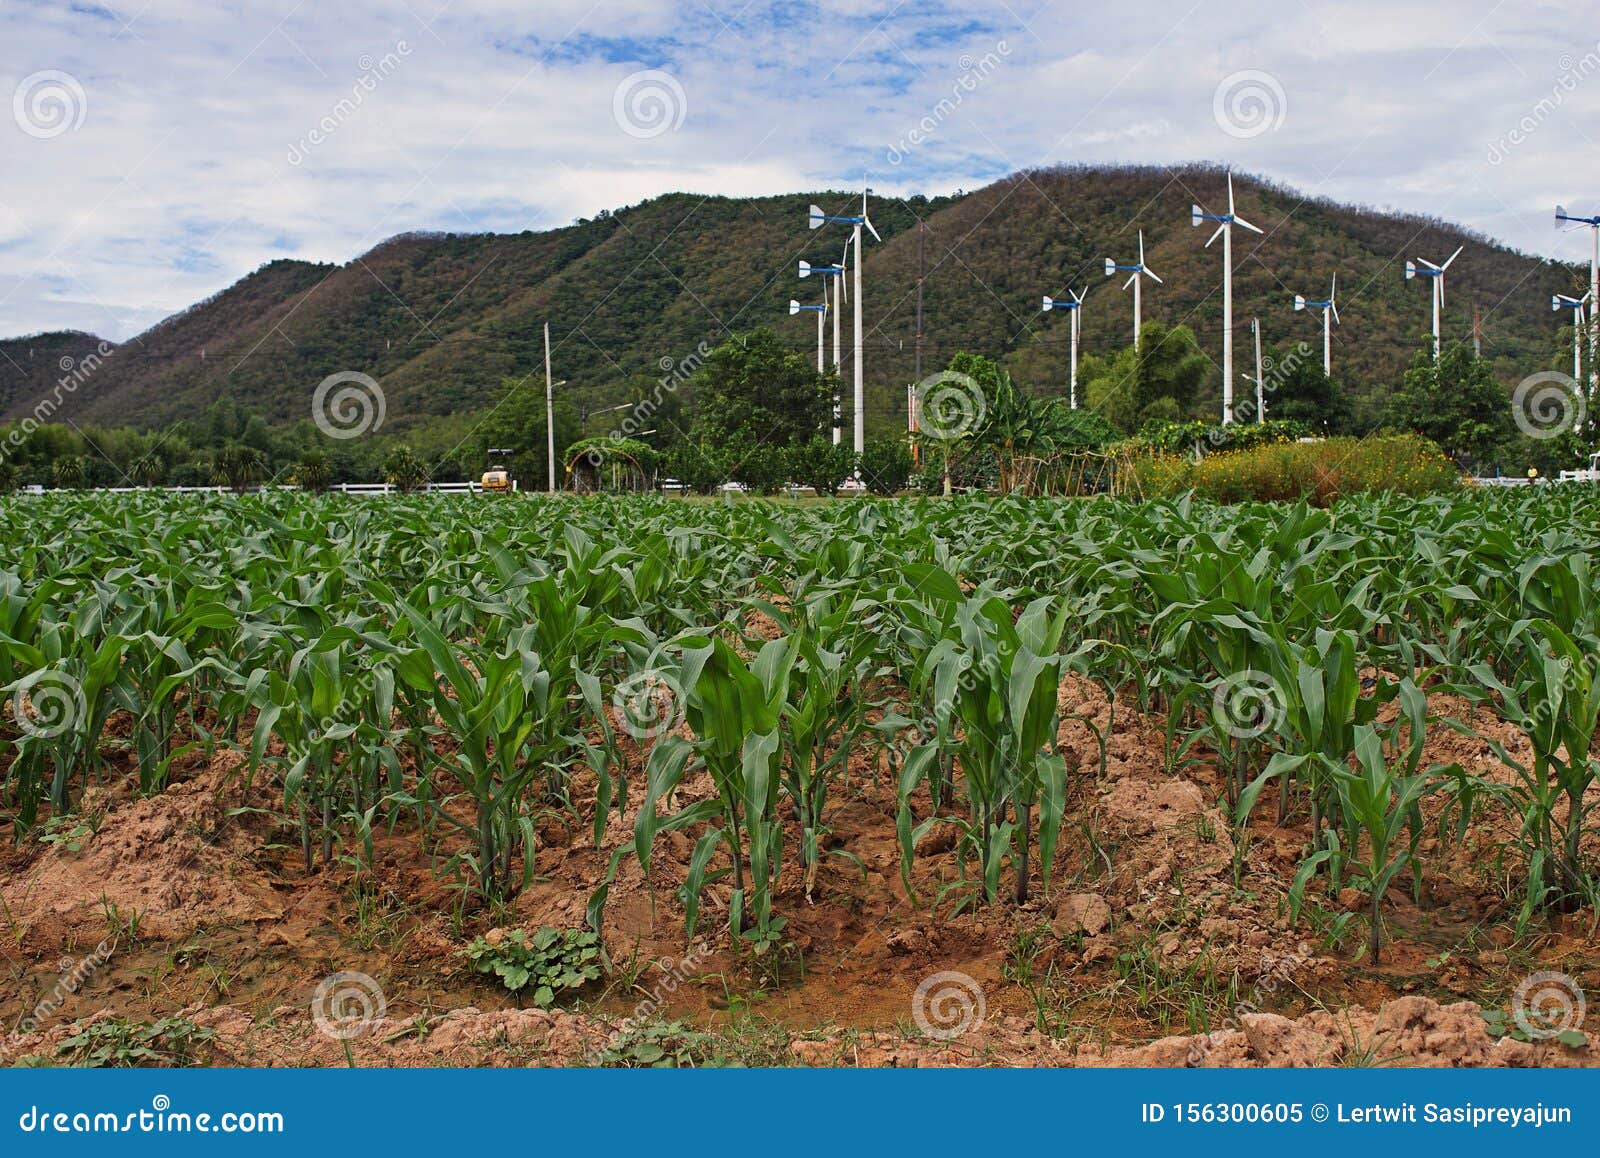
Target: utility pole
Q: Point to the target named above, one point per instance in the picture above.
(1261, 386)
(549, 414)
(913, 419)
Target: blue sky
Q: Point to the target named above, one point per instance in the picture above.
(157, 151)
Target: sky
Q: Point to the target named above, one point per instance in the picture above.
(156, 151)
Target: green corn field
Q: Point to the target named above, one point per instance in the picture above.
(467, 677)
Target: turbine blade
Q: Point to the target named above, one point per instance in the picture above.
(1077, 298)
(1217, 234)
(1151, 274)
(1335, 311)
(1230, 193)
(1451, 258)
(867, 221)
(1130, 280)
(1141, 247)
(1247, 225)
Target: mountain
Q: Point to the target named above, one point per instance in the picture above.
(441, 319)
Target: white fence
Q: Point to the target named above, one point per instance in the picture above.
(457, 488)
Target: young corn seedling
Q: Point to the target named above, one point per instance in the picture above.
(1380, 799)
(1553, 700)
(732, 707)
(997, 687)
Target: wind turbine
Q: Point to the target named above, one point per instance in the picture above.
(1576, 305)
(818, 218)
(1075, 305)
(1563, 220)
(1226, 222)
(1135, 270)
(1425, 268)
(836, 272)
(1330, 316)
(822, 312)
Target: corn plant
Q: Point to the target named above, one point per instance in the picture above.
(1553, 699)
(733, 710)
(997, 687)
(1379, 799)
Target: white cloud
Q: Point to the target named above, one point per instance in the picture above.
(499, 115)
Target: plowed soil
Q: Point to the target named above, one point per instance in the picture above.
(1161, 939)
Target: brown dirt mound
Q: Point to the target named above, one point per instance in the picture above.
(174, 861)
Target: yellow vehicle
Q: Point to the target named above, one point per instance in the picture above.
(497, 479)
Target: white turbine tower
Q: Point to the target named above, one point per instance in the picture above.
(1425, 268)
(1330, 316)
(1226, 222)
(1136, 271)
(837, 273)
(1075, 305)
(818, 218)
(1566, 220)
(1576, 305)
(822, 312)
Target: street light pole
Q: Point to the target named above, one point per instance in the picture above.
(549, 414)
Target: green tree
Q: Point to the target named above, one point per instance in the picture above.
(1457, 403)
(67, 473)
(314, 471)
(886, 465)
(404, 470)
(238, 467)
(1298, 391)
(752, 390)
(822, 465)
(1158, 379)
